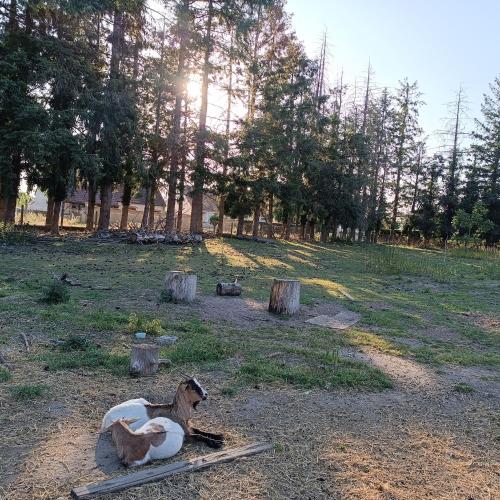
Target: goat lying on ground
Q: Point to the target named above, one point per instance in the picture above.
(158, 438)
(187, 397)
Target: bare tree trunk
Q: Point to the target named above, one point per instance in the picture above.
(54, 227)
(182, 177)
(270, 232)
(152, 198)
(256, 221)
(239, 227)
(199, 171)
(175, 145)
(145, 213)
(50, 212)
(90, 207)
(222, 196)
(105, 210)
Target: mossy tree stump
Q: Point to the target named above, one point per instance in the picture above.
(180, 286)
(285, 296)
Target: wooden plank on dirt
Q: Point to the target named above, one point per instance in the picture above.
(163, 471)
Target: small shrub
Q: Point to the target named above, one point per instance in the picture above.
(55, 293)
(152, 326)
(75, 343)
(28, 391)
(5, 374)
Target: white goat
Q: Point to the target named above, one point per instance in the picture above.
(158, 438)
(186, 399)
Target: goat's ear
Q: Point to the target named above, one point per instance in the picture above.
(129, 421)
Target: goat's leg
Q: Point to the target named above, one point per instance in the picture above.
(210, 439)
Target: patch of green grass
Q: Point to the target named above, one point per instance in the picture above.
(28, 391)
(5, 374)
(78, 352)
(440, 353)
(197, 348)
(346, 374)
(55, 293)
(463, 388)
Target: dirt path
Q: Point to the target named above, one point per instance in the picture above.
(421, 439)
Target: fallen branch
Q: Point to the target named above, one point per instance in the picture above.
(163, 471)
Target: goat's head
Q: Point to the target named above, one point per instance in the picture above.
(193, 391)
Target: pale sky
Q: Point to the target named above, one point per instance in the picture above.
(440, 43)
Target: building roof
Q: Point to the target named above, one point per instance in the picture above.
(80, 197)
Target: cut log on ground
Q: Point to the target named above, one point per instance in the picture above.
(231, 289)
(180, 287)
(144, 359)
(285, 296)
(163, 471)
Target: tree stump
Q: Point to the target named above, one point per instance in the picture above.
(231, 289)
(285, 296)
(144, 359)
(180, 287)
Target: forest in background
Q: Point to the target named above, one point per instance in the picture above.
(95, 94)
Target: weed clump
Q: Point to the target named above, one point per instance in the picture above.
(55, 293)
(28, 391)
(151, 326)
(5, 374)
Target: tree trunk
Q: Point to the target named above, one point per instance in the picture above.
(152, 197)
(124, 217)
(285, 296)
(50, 213)
(54, 227)
(144, 359)
(256, 221)
(176, 121)
(180, 287)
(62, 214)
(90, 207)
(270, 232)
(312, 230)
(239, 227)
(196, 225)
(105, 211)
(231, 289)
(145, 213)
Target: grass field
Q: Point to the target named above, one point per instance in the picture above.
(433, 310)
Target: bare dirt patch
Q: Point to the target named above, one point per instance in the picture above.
(250, 313)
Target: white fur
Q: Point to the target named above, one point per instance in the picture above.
(169, 447)
(133, 408)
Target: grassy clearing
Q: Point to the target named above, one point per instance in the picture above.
(402, 294)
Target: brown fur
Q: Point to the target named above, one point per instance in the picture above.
(131, 446)
(181, 411)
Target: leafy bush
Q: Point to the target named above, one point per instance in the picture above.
(55, 293)
(150, 326)
(28, 391)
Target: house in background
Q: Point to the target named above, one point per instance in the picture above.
(75, 206)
